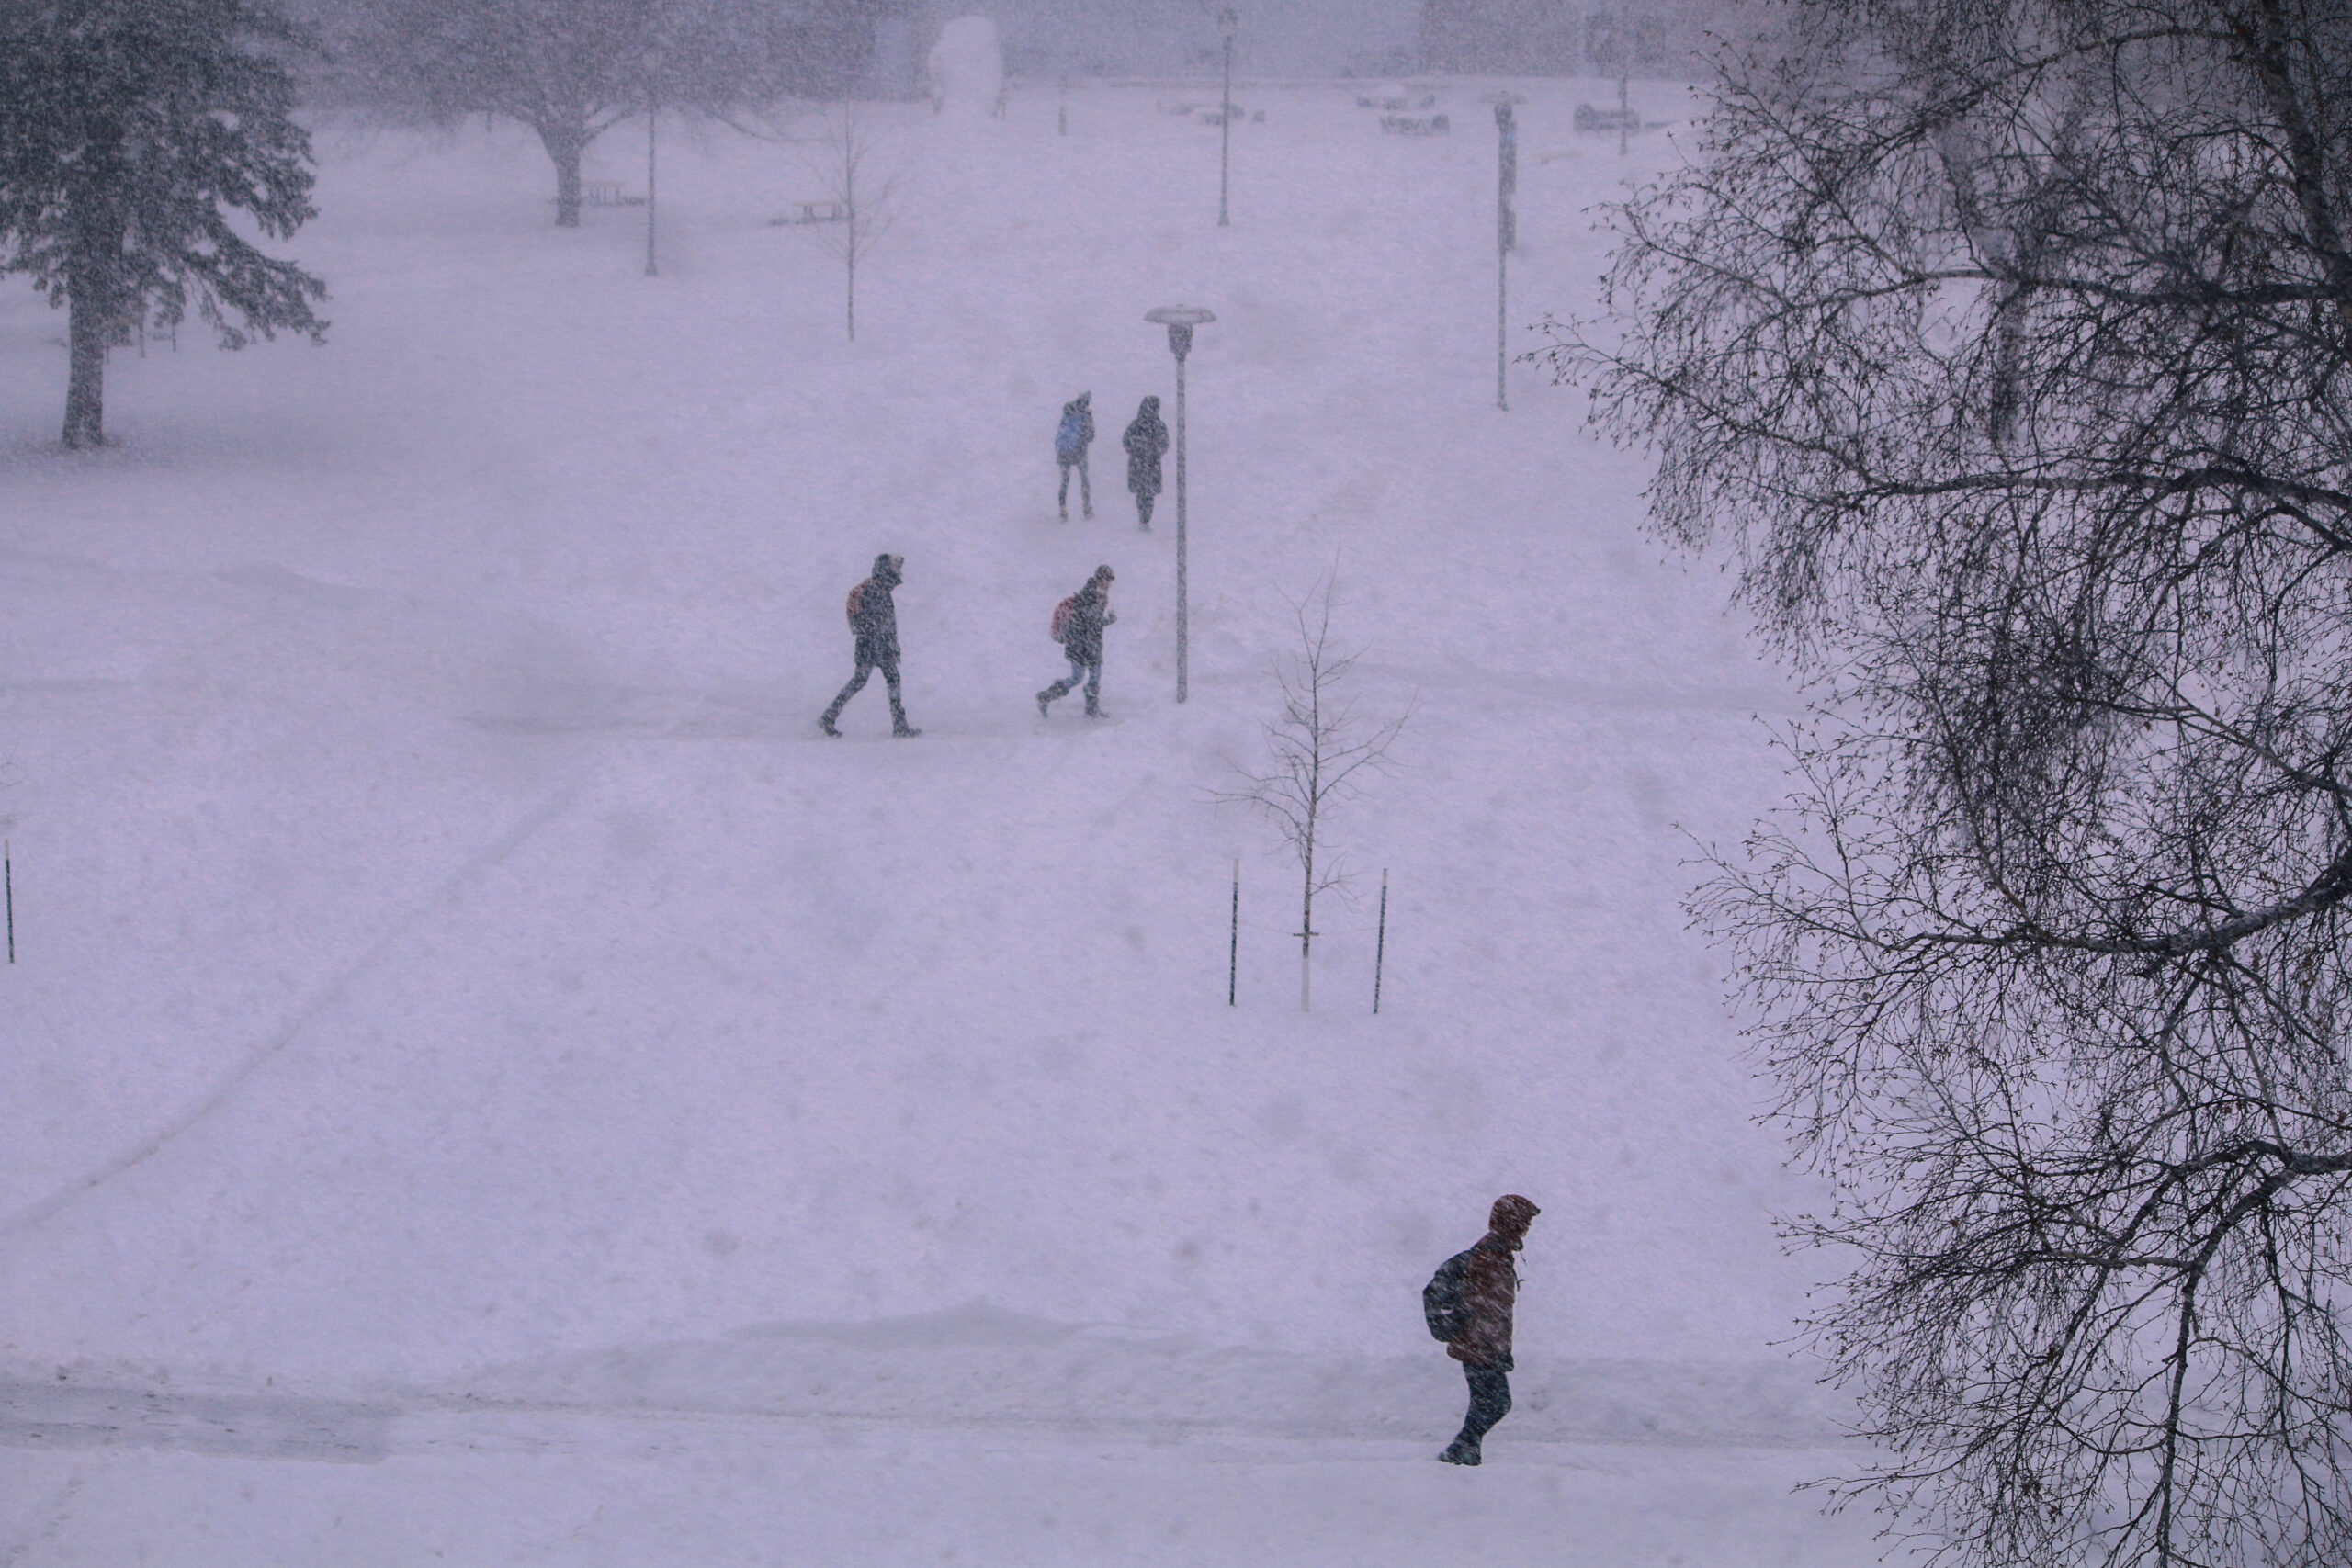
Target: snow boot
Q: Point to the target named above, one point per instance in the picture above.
(1456, 1453)
(1044, 698)
(905, 731)
(825, 722)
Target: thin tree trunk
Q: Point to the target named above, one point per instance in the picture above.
(93, 288)
(1307, 916)
(565, 144)
(94, 305)
(86, 317)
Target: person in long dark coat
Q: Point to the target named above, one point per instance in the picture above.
(1490, 1291)
(1082, 638)
(1147, 443)
(873, 625)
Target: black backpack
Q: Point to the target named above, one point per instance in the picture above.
(1444, 1300)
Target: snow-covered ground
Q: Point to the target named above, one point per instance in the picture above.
(468, 1024)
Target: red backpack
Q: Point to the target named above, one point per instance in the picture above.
(1062, 613)
(857, 602)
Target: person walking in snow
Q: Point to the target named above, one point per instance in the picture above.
(1147, 443)
(874, 622)
(1078, 625)
(1489, 1289)
(1071, 438)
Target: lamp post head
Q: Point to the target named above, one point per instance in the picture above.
(1228, 23)
(1179, 321)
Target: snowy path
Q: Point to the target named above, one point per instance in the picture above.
(559, 1488)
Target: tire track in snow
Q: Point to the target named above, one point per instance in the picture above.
(32, 1214)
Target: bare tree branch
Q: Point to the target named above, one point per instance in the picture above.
(2003, 343)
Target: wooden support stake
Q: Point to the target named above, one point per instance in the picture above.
(1233, 956)
(1380, 947)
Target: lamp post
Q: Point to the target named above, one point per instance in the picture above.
(652, 116)
(1179, 321)
(1506, 230)
(1226, 22)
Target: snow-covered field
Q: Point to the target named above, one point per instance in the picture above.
(485, 1080)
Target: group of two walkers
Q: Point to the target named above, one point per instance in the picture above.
(1077, 624)
(1146, 442)
(1078, 621)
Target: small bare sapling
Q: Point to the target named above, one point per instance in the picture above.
(1316, 752)
(846, 159)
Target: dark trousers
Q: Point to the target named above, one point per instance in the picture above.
(1085, 485)
(1490, 1403)
(1090, 672)
(1143, 508)
(866, 667)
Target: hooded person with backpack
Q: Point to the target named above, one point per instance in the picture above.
(1147, 443)
(1469, 1303)
(1071, 438)
(874, 624)
(1078, 625)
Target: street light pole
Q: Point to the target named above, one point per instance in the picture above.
(1506, 233)
(1179, 321)
(652, 119)
(1225, 22)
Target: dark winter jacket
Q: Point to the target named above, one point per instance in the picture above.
(1076, 431)
(873, 618)
(1090, 612)
(1147, 443)
(1490, 1286)
(1489, 1289)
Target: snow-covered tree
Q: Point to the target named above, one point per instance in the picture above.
(569, 69)
(130, 131)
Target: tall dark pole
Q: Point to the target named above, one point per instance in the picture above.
(1224, 152)
(1179, 321)
(1179, 339)
(652, 117)
(1506, 235)
(1502, 326)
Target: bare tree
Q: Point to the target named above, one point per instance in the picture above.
(1317, 747)
(845, 159)
(569, 69)
(2005, 344)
